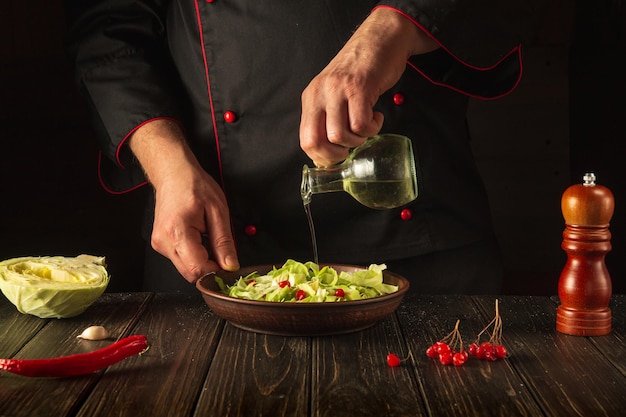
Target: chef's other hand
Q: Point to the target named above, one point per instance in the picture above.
(337, 106)
(189, 203)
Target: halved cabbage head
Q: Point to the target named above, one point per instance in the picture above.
(53, 286)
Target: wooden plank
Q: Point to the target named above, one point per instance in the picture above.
(612, 345)
(478, 387)
(57, 397)
(182, 333)
(257, 375)
(351, 376)
(16, 328)
(567, 374)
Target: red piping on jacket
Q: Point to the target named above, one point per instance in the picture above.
(128, 135)
(119, 161)
(517, 49)
(458, 90)
(208, 83)
(217, 141)
(107, 189)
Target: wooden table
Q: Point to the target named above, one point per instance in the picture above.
(198, 365)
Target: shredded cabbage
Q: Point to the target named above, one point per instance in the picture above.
(319, 284)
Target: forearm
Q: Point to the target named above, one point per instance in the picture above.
(161, 149)
(387, 27)
(379, 49)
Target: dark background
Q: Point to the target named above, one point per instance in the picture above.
(566, 118)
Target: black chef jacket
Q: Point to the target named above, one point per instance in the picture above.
(231, 73)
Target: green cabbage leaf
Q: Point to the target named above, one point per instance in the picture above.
(53, 286)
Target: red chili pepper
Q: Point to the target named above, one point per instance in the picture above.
(79, 364)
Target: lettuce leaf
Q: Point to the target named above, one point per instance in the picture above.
(318, 284)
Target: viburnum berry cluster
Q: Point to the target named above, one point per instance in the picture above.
(492, 349)
(449, 350)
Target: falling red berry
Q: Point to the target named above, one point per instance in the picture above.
(393, 360)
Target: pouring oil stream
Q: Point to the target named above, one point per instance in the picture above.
(306, 193)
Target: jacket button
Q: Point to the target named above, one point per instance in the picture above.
(406, 214)
(398, 99)
(230, 116)
(250, 230)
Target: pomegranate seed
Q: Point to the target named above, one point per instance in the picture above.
(340, 293)
(393, 360)
(300, 295)
(285, 283)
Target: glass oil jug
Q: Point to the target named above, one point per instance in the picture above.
(379, 174)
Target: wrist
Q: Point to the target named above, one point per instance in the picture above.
(162, 151)
(411, 37)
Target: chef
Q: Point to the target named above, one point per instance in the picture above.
(217, 105)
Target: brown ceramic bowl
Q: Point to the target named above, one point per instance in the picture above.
(299, 319)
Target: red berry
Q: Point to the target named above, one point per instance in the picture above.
(472, 349)
(480, 352)
(487, 349)
(431, 352)
(442, 347)
(501, 351)
(393, 360)
(340, 293)
(285, 283)
(445, 358)
(300, 295)
(459, 358)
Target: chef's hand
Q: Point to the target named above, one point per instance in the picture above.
(337, 106)
(189, 203)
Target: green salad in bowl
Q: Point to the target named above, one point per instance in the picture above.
(303, 299)
(308, 282)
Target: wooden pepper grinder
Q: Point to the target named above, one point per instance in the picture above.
(585, 283)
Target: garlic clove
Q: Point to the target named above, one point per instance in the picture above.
(94, 333)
